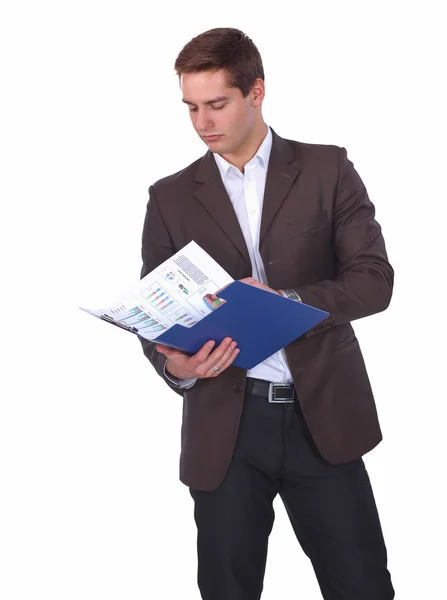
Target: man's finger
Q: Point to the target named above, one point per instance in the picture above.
(166, 350)
(219, 355)
(231, 358)
(160, 348)
(169, 352)
(204, 352)
(225, 362)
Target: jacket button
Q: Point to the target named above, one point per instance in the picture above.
(238, 387)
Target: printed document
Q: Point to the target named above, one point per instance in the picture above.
(179, 291)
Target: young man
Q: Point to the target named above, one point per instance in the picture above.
(296, 219)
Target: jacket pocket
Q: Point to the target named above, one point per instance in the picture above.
(307, 224)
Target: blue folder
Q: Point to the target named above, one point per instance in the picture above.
(261, 322)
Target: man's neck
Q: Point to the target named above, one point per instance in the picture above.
(248, 148)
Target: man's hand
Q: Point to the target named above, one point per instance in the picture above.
(250, 281)
(200, 365)
(258, 284)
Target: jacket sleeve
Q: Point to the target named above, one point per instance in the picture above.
(157, 247)
(364, 278)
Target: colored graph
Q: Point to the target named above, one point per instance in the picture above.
(183, 318)
(159, 298)
(136, 318)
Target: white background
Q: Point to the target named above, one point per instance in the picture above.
(91, 504)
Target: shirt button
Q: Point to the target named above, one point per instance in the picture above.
(238, 387)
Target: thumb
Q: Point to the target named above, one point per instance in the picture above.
(167, 350)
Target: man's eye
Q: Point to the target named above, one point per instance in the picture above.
(213, 107)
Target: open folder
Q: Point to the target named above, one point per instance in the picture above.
(173, 305)
(261, 322)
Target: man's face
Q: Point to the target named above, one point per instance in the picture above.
(216, 109)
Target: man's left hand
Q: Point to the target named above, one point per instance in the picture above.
(258, 284)
(250, 281)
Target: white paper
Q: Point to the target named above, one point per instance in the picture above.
(173, 293)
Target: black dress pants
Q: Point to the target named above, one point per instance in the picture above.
(331, 508)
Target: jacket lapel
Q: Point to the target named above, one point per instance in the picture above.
(214, 198)
(281, 174)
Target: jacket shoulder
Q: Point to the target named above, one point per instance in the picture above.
(314, 152)
(179, 178)
(321, 162)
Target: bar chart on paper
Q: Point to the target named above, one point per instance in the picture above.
(183, 318)
(136, 317)
(159, 298)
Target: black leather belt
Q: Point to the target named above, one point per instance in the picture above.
(281, 393)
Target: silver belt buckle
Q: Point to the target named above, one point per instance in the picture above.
(272, 396)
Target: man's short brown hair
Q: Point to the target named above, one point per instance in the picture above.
(223, 48)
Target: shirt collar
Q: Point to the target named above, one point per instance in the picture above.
(262, 156)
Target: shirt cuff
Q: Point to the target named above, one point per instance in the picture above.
(181, 383)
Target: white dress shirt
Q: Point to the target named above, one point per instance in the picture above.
(246, 192)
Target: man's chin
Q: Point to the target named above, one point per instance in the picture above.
(218, 148)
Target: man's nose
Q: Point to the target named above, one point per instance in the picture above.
(203, 122)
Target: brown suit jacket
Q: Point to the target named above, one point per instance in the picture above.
(319, 237)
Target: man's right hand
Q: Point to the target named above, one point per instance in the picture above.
(200, 365)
